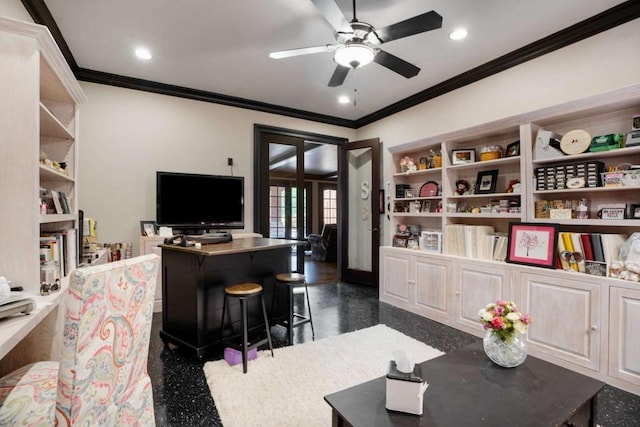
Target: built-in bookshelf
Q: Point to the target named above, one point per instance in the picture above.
(481, 192)
(39, 122)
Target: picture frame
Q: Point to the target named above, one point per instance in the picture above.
(534, 244)
(463, 156)
(400, 241)
(148, 228)
(612, 213)
(634, 211)
(513, 149)
(408, 193)
(486, 182)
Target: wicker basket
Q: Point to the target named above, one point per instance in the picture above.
(490, 152)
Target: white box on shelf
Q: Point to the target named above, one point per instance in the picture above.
(431, 240)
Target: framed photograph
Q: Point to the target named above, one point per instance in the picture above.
(634, 211)
(148, 228)
(533, 244)
(460, 157)
(425, 206)
(408, 193)
(381, 201)
(486, 182)
(513, 149)
(400, 241)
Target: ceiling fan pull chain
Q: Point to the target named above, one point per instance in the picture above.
(354, 11)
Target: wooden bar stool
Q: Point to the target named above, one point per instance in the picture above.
(292, 281)
(243, 292)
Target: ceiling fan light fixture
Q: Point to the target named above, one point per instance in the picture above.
(354, 55)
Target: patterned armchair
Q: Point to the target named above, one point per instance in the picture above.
(102, 377)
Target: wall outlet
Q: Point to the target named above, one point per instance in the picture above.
(229, 161)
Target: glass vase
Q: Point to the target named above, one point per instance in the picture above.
(508, 353)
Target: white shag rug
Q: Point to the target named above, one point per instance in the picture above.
(289, 389)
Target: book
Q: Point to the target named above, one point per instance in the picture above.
(578, 251)
(64, 202)
(596, 246)
(586, 246)
(56, 201)
(562, 259)
(568, 247)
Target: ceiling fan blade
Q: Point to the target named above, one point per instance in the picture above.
(333, 15)
(416, 25)
(338, 76)
(303, 51)
(396, 64)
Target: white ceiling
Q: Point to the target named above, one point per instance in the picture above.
(222, 46)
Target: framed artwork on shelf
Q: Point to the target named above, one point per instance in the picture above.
(460, 157)
(148, 228)
(400, 241)
(634, 211)
(533, 244)
(513, 149)
(486, 182)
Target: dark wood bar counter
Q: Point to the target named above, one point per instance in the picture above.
(193, 282)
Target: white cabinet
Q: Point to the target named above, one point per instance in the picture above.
(566, 317)
(624, 339)
(149, 245)
(475, 285)
(416, 281)
(38, 112)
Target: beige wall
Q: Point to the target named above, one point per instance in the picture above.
(128, 135)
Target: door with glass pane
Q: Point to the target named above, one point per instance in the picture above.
(359, 166)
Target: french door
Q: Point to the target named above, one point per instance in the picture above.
(359, 227)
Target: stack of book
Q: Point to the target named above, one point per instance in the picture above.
(475, 241)
(590, 253)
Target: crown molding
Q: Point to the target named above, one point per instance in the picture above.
(617, 15)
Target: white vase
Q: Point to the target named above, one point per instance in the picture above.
(507, 353)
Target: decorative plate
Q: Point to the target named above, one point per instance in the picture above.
(429, 189)
(575, 142)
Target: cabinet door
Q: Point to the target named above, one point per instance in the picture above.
(476, 286)
(432, 277)
(566, 318)
(624, 342)
(394, 272)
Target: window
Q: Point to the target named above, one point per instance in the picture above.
(328, 204)
(283, 204)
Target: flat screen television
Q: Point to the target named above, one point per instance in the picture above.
(196, 203)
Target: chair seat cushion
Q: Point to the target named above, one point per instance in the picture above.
(28, 395)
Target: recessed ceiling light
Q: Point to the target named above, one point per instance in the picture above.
(458, 34)
(143, 53)
(344, 99)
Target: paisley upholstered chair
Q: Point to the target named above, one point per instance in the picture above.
(102, 377)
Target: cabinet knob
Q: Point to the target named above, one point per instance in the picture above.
(594, 327)
(458, 293)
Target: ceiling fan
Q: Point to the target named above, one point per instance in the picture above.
(357, 41)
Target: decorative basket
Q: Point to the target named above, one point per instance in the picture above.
(490, 152)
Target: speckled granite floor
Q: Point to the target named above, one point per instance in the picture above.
(182, 397)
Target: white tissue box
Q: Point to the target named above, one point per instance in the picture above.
(405, 391)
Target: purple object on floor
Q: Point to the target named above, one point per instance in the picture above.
(233, 356)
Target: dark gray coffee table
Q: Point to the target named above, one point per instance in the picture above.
(467, 389)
